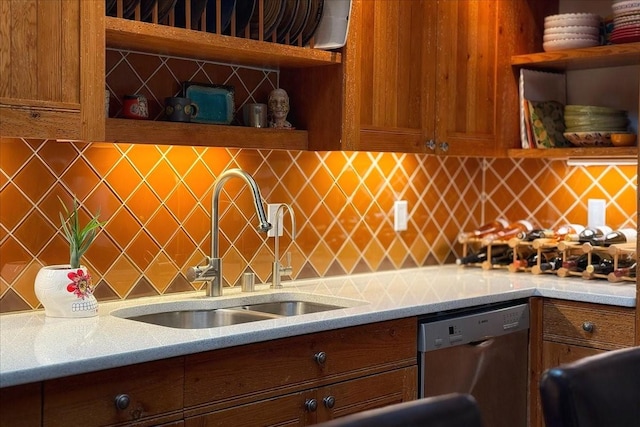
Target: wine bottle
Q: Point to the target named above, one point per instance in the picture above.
(580, 263)
(629, 271)
(506, 233)
(483, 230)
(532, 259)
(551, 265)
(589, 234)
(565, 230)
(623, 235)
(605, 266)
(529, 236)
(481, 256)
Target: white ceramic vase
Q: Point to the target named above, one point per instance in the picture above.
(66, 291)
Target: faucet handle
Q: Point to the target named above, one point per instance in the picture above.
(287, 270)
(199, 272)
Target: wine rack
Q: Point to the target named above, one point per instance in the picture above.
(567, 250)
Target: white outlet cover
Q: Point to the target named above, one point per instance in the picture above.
(272, 208)
(400, 215)
(596, 212)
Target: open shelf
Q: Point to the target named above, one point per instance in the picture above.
(175, 133)
(564, 153)
(578, 59)
(166, 40)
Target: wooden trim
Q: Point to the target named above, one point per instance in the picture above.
(165, 40)
(579, 59)
(45, 123)
(173, 133)
(535, 360)
(92, 69)
(564, 153)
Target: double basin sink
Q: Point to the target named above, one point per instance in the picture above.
(203, 313)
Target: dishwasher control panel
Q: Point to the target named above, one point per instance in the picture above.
(435, 334)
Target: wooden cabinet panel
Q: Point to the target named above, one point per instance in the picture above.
(21, 405)
(243, 374)
(52, 64)
(152, 389)
(556, 354)
(569, 322)
(375, 391)
(288, 410)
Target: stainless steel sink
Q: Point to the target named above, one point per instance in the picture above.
(200, 319)
(201, 313)
(290, 308)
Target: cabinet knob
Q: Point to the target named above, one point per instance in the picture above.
(311, 405)
(329, 401)
(320, 357)
(444, 147)
(588, 326)
(122, 401)
(431, 145)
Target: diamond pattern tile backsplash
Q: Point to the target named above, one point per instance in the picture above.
(157, 199)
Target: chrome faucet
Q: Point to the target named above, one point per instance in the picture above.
(212, 272)
(278, 269)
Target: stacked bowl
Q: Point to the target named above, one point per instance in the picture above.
(571, 31)
(626, 21)
(593, 125)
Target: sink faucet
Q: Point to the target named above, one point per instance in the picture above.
(212, 272)
(278, 269)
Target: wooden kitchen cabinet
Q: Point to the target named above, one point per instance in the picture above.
(147, 394)
(571, 331)
(52, 67)
(24, 403)
(319, 404)
(288, 380)
(435, 76)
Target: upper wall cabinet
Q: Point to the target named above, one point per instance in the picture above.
(52, 68)
(435, 76)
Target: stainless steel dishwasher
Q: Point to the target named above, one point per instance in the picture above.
(481, 351)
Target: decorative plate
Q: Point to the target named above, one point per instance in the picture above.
(215, 102)
(244, 11)
(547, 123)
(589, 139)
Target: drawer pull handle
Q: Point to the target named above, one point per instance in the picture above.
(122, 401)
(329, 401)
(320, 357)
(311, 405)
(588, 327)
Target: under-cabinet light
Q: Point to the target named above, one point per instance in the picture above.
(603, 161)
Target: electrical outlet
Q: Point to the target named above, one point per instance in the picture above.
(272, 208)
(400, 215)
(596, 213)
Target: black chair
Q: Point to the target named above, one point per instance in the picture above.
(450, 410)
(597, 391)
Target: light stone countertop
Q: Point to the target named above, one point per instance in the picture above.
(35, 348)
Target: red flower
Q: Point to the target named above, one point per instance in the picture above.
(81, 284)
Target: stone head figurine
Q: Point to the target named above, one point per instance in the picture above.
(278, 109)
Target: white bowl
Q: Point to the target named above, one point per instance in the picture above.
(568, 44)
(571, 19)
(624, 6)
(575, 29)
(563, 36)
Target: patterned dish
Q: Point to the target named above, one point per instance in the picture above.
(589, 139)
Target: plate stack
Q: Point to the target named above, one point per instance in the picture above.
(571, 31)
(588, 125)
(626, 21)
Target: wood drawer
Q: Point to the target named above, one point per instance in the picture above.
(20, 405)
(239, 375)
(568, 322)
(45, 123)
(154, 389)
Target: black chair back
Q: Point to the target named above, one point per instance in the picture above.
(451, 410)
(597, 391)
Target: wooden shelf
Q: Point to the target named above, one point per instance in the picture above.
(563, 153)
(166, 40)
(579, 59)
(174, 133)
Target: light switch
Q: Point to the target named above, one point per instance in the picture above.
(596, 213)
(400, 215)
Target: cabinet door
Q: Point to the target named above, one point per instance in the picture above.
(477, 96)
(289, 410)
(374, 391)
(21, 405)
(52, 67)
(387, 74)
